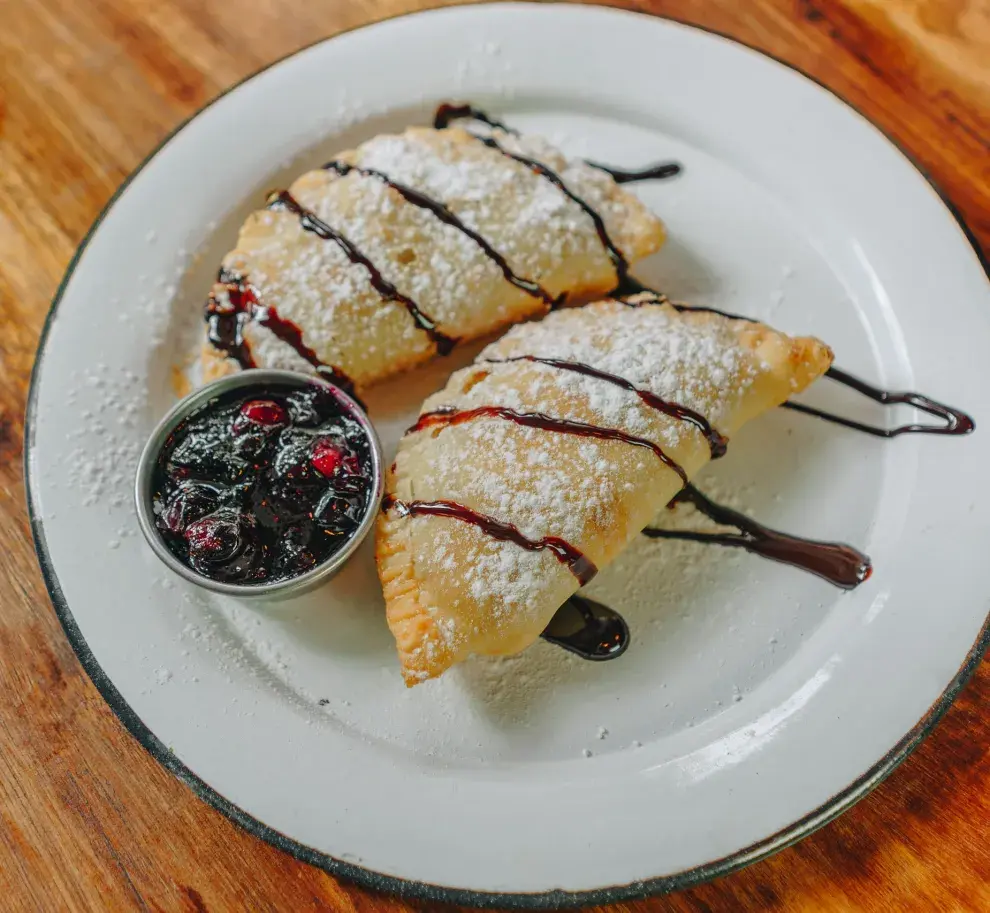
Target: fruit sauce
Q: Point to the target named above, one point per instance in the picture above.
(260, 487)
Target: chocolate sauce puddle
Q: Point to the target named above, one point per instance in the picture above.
(445, 215)
(283, 200)
(450, 416)
(597, 632)
(582, 567)
(590, 629)
(839, 564)
(717, 442)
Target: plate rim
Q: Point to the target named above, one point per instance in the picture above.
(421, 890)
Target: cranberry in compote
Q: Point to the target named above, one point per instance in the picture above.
(257, 488)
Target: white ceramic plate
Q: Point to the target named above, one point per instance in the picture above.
(756, 702)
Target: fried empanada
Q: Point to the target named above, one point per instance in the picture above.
(410, 243)
(539, 463)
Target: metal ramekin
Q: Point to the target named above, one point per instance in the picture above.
(256, 379)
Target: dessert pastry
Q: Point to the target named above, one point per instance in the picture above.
(410, 243)
(535, 466)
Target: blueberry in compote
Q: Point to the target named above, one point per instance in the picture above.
(297, 556)
(304, 407)
(200, 453)
(256, 488)
(249, 447)
(218, 538)
(336, 514)
(291, 460)
(188, 502)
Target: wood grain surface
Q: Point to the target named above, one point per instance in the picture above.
(88, 821)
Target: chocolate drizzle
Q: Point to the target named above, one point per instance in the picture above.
(591, 630)
(227, 317)
(283, 200)
(450, 416)
(227, 320)
(615, 255)
(582, 567)
(839, 564)
(717, 442)
(445, 215)
(446, 113)
(956, 422)
(658, 172)
(702, 309)
(632, 286)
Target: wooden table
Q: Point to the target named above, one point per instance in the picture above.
(88, 821)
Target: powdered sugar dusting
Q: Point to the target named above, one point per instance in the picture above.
(697, 364)
(111, 404)
(565, 485)
(312, 282)
(515, 567)
(594, 186)
(522, 214)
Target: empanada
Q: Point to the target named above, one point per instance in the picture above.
(410, 243)
(540, 462)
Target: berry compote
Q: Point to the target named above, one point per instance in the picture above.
(259, 488)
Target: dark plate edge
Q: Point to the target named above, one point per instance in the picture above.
(375, 881)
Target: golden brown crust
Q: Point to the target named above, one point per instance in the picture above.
(420, 646)
(215, 364)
